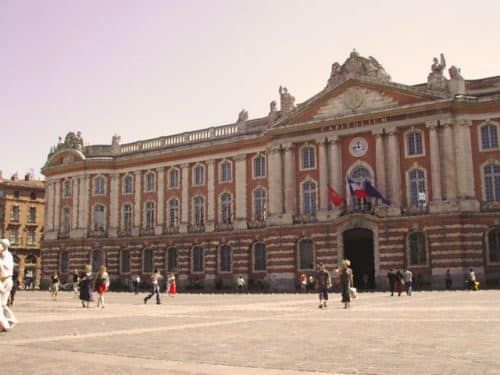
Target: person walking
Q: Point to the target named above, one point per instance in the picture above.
(54, 286)
(15, 285)
(172, 288)
(101, 285)
(391, 278)
(400, 282)
(323, 283)
(447, 279)
(346, 282)
(7, 317)
(240, 282)
(136, 283)
(303, 282)
(155, 287)
(86, 284)
(76, 283)
(472, 280)
(408, 278)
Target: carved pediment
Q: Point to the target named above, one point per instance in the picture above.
(354, 100)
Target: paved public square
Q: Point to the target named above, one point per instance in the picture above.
(456, 332)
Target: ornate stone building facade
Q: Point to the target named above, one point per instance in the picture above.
(252, 198)
(22, 205)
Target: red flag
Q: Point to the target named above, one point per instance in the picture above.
(335, 197)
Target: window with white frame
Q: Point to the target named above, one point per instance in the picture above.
(259, 166)
(150, 181)
(128, 185)
(99, 185)
(492, 182)
(15, 213)
(98, 215)
(225, 258)
(14, 235)
(259, 257)
(417, 251)
(173, 178)
(173, 212)
(31, 236)
(309, 198)
(259, 201)
(67, 189)
(147, 260)
(416, 184)
(197, 258)
(307, 154)
(199, 211)
(494, 245)
(225, 171)
(306, 255)
(32, 215)
(172, 259)
(149, 215)
(125, 261)
(66, 220)
(199, 175)
(489, 137)
(127, 218)
(226, 204)
(414, 143)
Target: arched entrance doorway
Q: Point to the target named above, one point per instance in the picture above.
(358, 248)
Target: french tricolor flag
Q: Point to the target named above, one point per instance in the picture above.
(357, 189)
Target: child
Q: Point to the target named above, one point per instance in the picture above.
(172, 288)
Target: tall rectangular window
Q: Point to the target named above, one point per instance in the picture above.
(31, 236)
(32, 215)
(225, 258)
(125, 261)
(148, 260)
(197, 259)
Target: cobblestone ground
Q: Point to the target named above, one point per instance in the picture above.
(456, 332)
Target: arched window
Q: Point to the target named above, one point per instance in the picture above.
(150, 181)
(149, 215)
(494, 245)
(416, 244)
(66, 220)
(199, 175)
(99, 185)
(97, 259)
(99, 218)
(225, 172)
(63, 262)
(172, 259)
(360, 174)
(259, 257)
(416, 184)
(199, 211)
(414, 143)
(67, 189)
(173, 178)
(489, 137)
(125, 261)
(306, 255)
(492, 182)
(309, 198)
(173, 212)
(225, 258)
(127, 218)
(226, 208)
(147, 260)
(308, 157)
(127, 185)
(259, 197)
(259, 166)
(197, 259)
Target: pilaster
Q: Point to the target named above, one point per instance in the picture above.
(210, 224)
(183, 227)
(241, 191)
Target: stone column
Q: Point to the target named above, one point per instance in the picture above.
(183, 227)
(137, 203)
(74, 210)
(241, 191)
(437, 195)
(290, 182)
(275, 186)
(465, 170)
(394, 170)
(380, 180)
(113, 204)
(57, 204)
(161, 201)
(83, 199)
(449, 164)
(323, 180)
(210, 224)
(336, 179)
(49, 215)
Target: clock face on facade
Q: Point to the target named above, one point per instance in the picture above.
(358, 147)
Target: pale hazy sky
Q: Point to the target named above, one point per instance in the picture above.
(145, 69)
